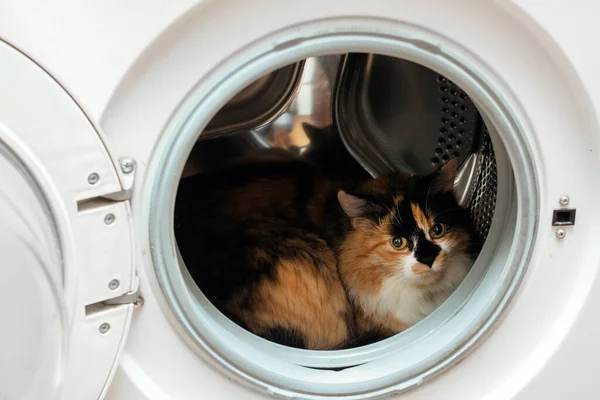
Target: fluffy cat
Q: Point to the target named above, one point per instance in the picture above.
(314, 263)
(409, 246)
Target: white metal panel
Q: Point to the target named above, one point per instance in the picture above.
(88, 45)
(59, 148)
(32, 345)
(102, 243)
(92, 367)
(34, 318)
(524, 63)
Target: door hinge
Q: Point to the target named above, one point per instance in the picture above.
(126, 298)
(127, 169)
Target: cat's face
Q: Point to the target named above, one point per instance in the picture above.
(409, 230)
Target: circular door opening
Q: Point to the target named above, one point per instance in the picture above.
(299, 135)
(402, 108)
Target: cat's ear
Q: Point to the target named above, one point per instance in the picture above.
(355, 207)
(317, 135)
(311, 131)
(443, 180)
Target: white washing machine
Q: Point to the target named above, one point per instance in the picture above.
(100, 106)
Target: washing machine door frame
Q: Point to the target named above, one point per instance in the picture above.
(87, 192)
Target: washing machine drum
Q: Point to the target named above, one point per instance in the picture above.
(390, 114)
(67, 278)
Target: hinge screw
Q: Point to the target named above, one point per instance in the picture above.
(114, 284)
(104, 328)
(138, 302)
(564, 200)
(109, 219)
(93, 178)
(561, 233)
(127, 165)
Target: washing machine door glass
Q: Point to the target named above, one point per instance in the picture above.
(68, 289)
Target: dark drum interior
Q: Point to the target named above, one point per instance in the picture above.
(389, 114)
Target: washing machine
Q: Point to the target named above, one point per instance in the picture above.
(105, 107)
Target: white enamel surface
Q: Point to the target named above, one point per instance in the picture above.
(502, 42)
(86, 45)
(419, 353)
(56, 259)
(34, 332)
(545, 347)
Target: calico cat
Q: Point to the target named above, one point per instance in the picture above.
(409, 246)
(316, 263)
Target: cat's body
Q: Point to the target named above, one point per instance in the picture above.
(294, 258)
(254, 239)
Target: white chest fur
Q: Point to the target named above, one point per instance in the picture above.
(410, 304)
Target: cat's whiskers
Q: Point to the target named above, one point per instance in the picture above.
(427, 196)
(397, 218)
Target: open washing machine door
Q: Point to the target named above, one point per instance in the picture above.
(68, 286)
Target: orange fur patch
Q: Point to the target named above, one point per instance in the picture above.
(456, 239)
(421, 269)
(357, 265)
(385, 324)
(367, 258)
(423, 221)
(313, 305)
(306, 299)
(398, 200)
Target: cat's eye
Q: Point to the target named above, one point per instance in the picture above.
(399, 243)
(437, 231)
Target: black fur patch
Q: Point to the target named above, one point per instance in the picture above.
(426, 251)
(285, 336)
(328, 153)
(221, 252)
(366, 339)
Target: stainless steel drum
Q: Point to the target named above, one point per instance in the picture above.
(390, 114)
